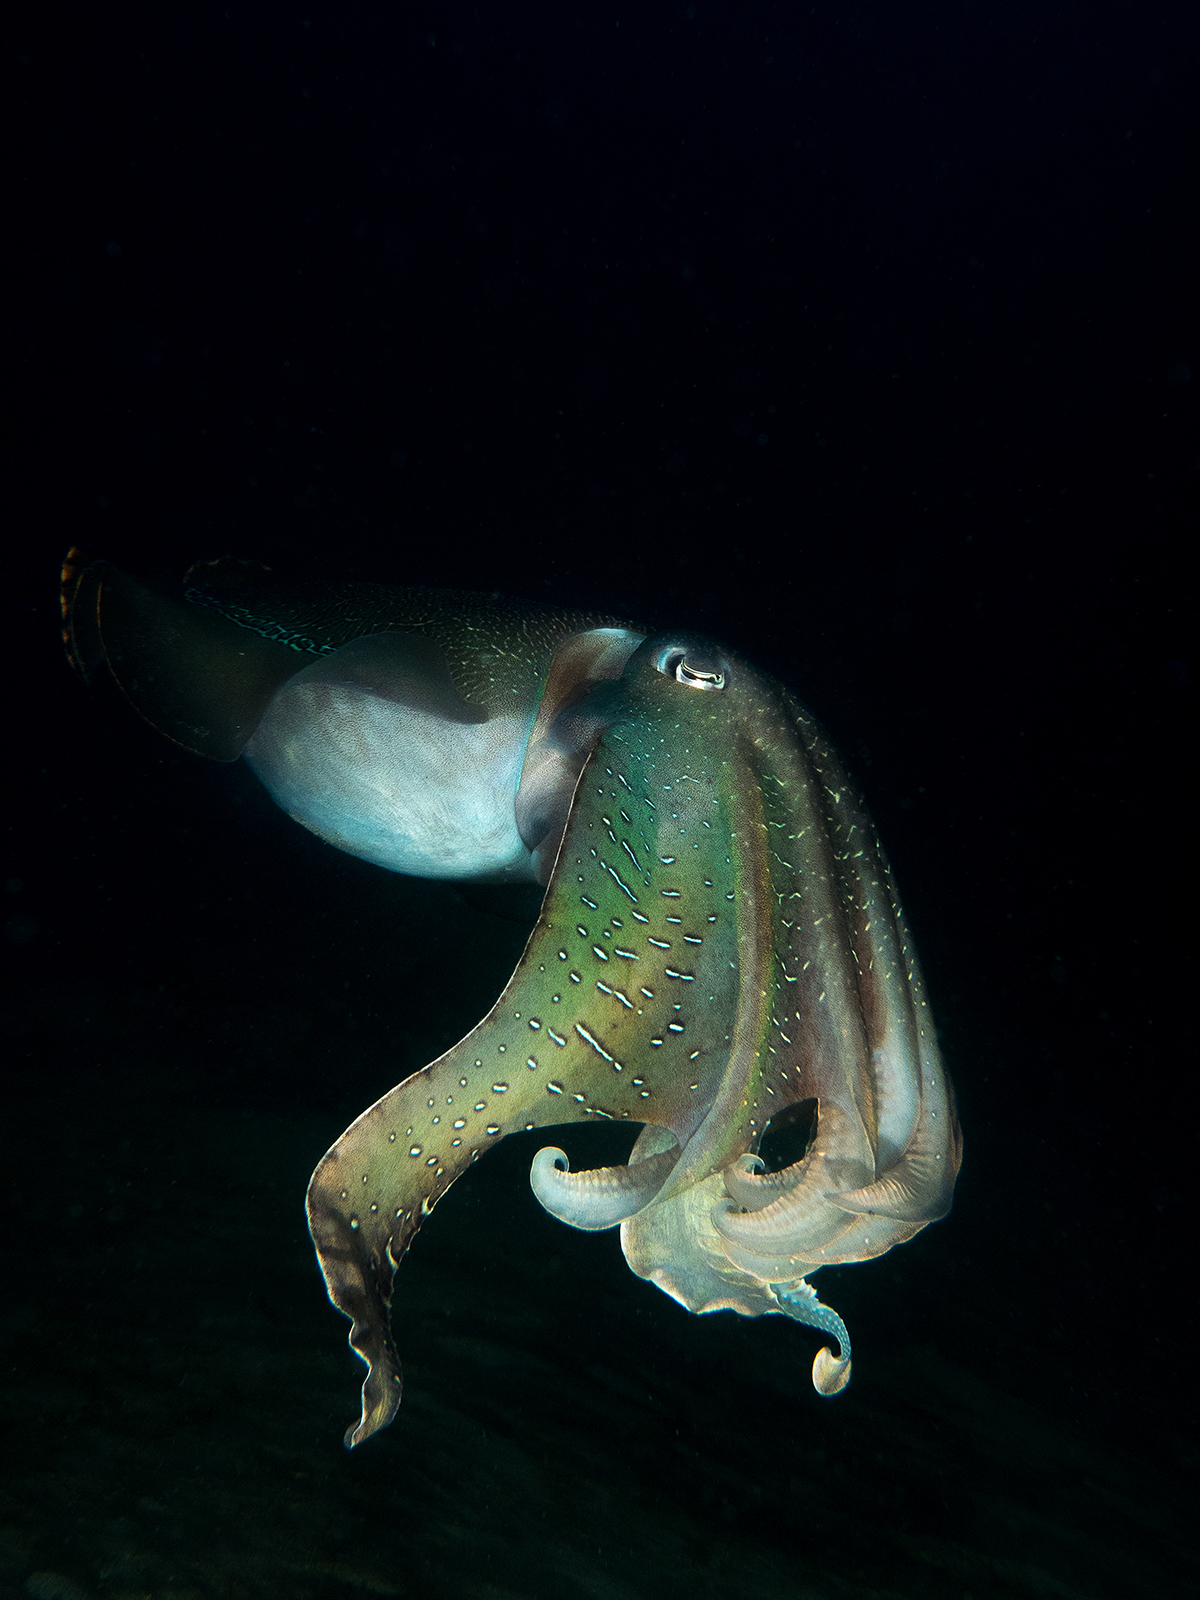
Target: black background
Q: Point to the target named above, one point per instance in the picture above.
(861, 336)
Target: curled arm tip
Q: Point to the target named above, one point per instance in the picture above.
(799, 1301)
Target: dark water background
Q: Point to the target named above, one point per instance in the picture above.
(859, 335)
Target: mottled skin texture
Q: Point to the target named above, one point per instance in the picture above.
(720, 940)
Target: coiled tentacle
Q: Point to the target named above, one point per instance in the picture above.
(799, 1301)
(598, 1197)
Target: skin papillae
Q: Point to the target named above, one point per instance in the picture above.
(720, 945)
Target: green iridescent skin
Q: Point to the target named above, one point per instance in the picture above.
(720, 939)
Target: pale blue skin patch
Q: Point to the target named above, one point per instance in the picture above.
(400, 787)
(373, 748)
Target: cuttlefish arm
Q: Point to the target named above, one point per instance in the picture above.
(830, 1008)
(620, 1009)
(720, 942)
(713, 949)
(576, 1036)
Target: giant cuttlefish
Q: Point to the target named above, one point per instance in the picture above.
(720, 939)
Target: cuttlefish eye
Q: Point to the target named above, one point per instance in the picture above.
(699, 671)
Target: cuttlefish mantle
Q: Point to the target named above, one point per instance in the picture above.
(720, 944)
